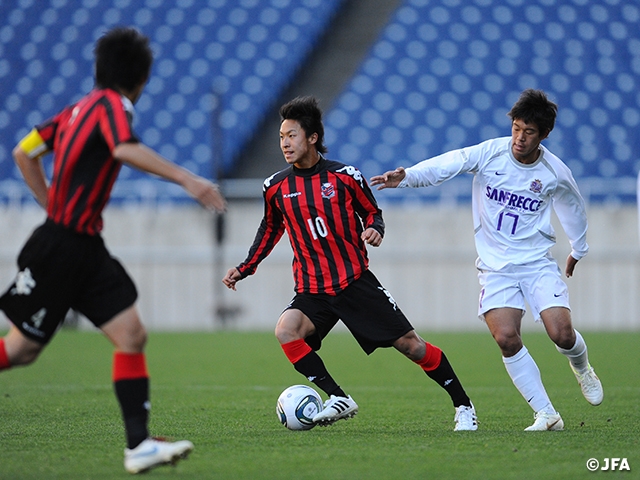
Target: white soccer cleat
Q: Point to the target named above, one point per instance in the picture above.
(545, 422)
(154, 452)
(465, 418)
(336, 408)
(590, 385)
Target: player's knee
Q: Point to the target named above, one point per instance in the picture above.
(287, 333)
(411, 346)
(139, 339)
(509, 344)
(24, 357)
(564, 338)
(133, 340)
(293, 325)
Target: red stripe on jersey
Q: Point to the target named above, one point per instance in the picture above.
(350, 229)
(66, 195)
(84, 168)
(333, 265)
(91, 216)
(323, 211)
(269, 233)
(296, 220)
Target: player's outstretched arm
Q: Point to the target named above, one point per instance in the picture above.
(143, 158)
(390, 179)
(231, 278)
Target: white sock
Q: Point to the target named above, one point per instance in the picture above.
(577, 354)
(526, 377)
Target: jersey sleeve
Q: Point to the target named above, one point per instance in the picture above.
(42, 138)
(367, 207)
(33, 144)
(268, 235)
(571, 211)
(115, 123)
(436, 170)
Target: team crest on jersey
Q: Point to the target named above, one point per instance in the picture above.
(536, 186)
(328, 190)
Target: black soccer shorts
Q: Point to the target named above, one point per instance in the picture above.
(366, 308)
(60, 269)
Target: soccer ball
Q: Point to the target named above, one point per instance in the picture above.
(297, 406)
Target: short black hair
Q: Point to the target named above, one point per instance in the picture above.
(307, 113)
(533, 106)
(123, 59)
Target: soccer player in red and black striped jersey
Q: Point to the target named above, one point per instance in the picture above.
(329, 214)
(65, 263)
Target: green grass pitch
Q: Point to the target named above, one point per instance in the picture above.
(59, 418)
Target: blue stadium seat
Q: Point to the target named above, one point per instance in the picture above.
(220, 65)
(444, 74)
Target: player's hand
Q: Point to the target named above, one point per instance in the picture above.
(231, 278)
(206, 192)
(390, 179)
(372, 237)
(571, 264)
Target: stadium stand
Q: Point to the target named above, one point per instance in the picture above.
(444, 74)
(217, 59)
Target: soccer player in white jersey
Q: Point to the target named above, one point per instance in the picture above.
(516, 181)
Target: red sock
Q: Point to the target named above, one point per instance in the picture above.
(131, 384)
(296, 350)
(129, 366)
(431, 359)
(4, 358)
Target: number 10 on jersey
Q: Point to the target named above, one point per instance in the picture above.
(317, 227)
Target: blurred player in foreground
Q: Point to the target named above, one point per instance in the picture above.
(516, 181)
(65, 263)
(329, 213)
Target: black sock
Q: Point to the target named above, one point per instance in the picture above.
(312, 367)
(133, 396)
(447, 379)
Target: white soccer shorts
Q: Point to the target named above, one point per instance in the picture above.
(539, 284)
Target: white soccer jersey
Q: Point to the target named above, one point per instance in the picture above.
(511, 201)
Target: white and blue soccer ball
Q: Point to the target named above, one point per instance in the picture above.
(297, 406)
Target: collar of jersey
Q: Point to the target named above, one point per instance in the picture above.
(128, 105)
(307, 172)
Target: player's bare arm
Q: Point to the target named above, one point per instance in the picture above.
(390, 179)
(143, 158)
(33, 173)
(571, 265)
(372, 237)
(231, 278)
(206, 192)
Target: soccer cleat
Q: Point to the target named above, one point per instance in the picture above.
(336, 408)
(590, 385)
(465, 418)
(546, 421)
(154, 452)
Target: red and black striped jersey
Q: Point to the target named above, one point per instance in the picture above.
(82, 138)
(324, 210)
